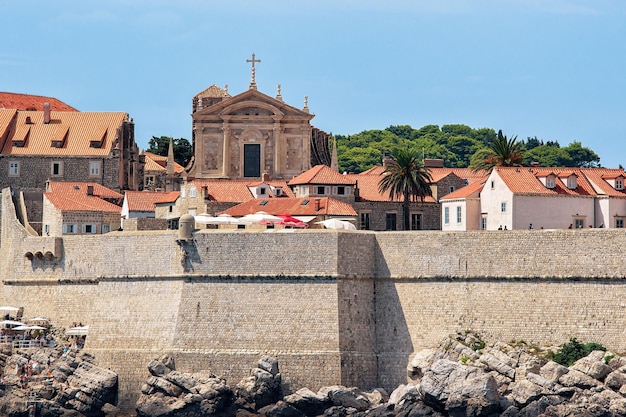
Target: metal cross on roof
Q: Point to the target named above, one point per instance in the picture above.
(253, 77)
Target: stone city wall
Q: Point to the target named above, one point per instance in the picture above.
(333, 307)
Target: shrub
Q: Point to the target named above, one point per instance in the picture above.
(573, 350)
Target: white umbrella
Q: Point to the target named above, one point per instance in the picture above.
(205, 219)
(337, 224)
(260, 216)
(9, 308)
(11, 323)
(39, 319)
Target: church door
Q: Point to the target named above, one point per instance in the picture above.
(252, 160)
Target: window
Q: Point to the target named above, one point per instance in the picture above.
(262, 191)
(619, 223)
(550, 182)
(390, 221)
(149, 180)
(106, 228)
(192, 212)
(95, 167)
(446, 215)
(341, 190)
(503, 207)
(483, 223)
(46, 229)
(192, 192)
(493, 184)
(171, 208)
(56, 169)
(89, 228)
(14, 169)
(451, 189)
(571, 182)
(458, 214)
(183, 192)
(69, 228)
(619, 184)
(416, 221)
(320, 190)
(365, 221)
(579, 223)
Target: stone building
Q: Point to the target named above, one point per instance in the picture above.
(80, 208)
(38, 145)
(249, 134)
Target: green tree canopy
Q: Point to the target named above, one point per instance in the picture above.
(182, 148)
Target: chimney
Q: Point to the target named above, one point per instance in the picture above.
(317, 204)
(28, 120)
(90, 190)
(46, 113)
(386, 159)
(266, 177)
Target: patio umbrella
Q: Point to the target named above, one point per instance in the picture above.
(290, 221)
(77, 331)
(260, 216)
(221, 219)
(337, 224)
(11, 323)
(9, 308)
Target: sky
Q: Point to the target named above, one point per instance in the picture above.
(551, 69)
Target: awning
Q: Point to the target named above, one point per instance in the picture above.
(304, 219)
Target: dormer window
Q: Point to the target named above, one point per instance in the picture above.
(262, 190)
(571, 182)
(619, 183)
(550, 181)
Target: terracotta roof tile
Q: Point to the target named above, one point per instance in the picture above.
(30, 102)
(293, 206)
(78, 130)
(170, 197)
(526, 181)
(322, 174)
(237, 191)
(212, 92)
(143, 200)
(72, 196)
(156, 162)
(472, 190)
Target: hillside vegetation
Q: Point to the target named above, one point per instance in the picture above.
(458, 145)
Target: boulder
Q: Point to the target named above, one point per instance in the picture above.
(593, 365)
(308, 402)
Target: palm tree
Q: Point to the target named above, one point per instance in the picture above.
(405, 177)
(502, 152)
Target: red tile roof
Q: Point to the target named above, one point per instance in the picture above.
(156, 162)
(322, 174)
(237, 191)
(143, 200)
(72, 196)
(31, 102)
(525, 180)
(468, 191)
(439, 173)
(293, 206)
(76, 130)
(170, 197)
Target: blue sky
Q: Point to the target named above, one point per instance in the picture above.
(554, 69)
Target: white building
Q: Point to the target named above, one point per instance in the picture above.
(536, 197)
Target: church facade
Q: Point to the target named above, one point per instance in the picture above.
(251, 134)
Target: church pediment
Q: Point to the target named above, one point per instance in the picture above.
(252, 103)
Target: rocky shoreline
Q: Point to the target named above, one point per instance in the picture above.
(463, 376)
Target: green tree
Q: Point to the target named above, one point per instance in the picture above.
(505, 152)
(548, 156)
(581, 156)
(183, 150)
(406, 178)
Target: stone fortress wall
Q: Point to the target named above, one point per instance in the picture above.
(333, 307)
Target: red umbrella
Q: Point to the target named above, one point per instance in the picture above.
(291, 221)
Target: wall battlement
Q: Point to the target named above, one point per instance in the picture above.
(355, 305)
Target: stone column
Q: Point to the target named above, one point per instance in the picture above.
(226, 150)
(279, 149)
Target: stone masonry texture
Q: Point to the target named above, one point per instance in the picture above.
(333, 307)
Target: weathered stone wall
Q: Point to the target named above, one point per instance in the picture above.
(333, 307)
